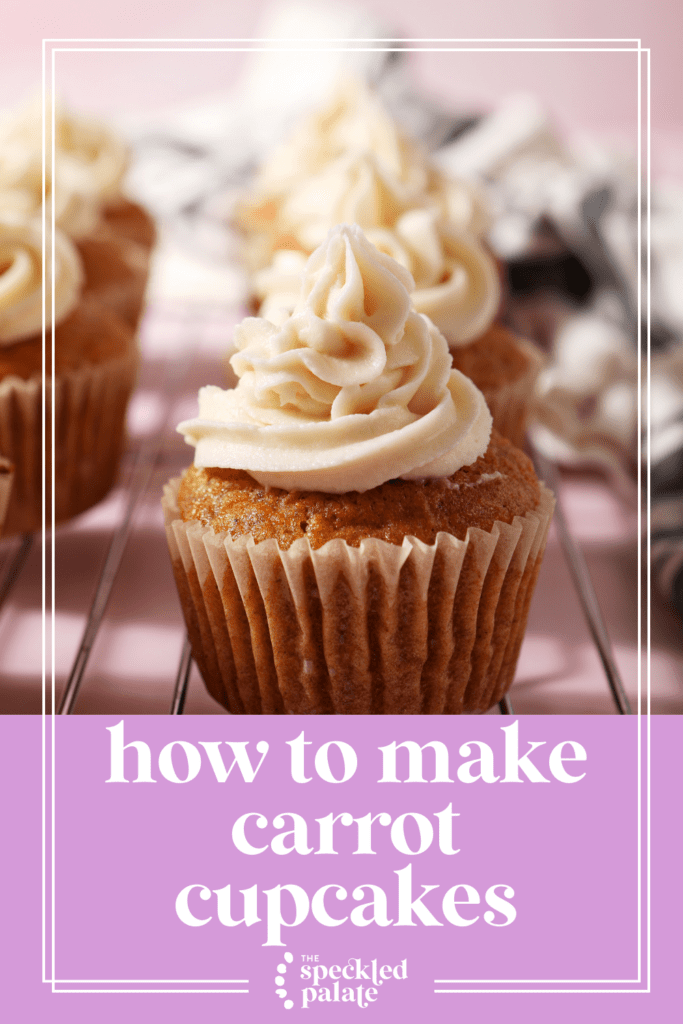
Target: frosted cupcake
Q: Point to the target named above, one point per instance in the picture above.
(351, 539)
(94, 373)
(114, 235)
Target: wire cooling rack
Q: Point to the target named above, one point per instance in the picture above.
(114, 593)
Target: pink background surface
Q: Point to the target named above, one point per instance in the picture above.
(657, 23)
(575, 101)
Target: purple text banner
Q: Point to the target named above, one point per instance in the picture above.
(286, 866)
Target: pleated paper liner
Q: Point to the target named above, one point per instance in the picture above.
(90, 413)
(379, 629)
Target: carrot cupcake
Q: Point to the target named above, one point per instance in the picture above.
(351, 538)
(94, 372)
(114, 235)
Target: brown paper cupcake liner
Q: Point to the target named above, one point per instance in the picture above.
(90, 410)
(378, 629)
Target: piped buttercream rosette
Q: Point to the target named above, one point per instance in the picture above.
(356, 388)
(90, 162)
(456, 279)
(21, 278)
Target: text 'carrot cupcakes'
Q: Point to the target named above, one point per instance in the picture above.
(351, 539)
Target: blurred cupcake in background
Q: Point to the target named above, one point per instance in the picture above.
(353, 538)
(114, 235)
(349, 152)
(95, 367)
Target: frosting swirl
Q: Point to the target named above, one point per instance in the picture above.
(354, 120)
(90, 161)
(353, 189)
(456, 280)
(94, 149)
(346, 162)
(21, 279)
(356, 388)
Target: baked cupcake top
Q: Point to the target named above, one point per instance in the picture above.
(354, 389)
(498, 486)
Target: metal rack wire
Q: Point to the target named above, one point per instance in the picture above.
(150, 455)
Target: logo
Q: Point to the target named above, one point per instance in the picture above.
(355, 981)
(280, 980)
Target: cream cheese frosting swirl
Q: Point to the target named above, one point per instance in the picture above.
(353, 189)
(21, 279)
(90, 162)
(347, 161)
(354, 120)
(355, 389)
(455, 279)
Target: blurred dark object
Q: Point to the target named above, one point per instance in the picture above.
(563, 273)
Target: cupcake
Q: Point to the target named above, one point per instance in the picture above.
(114, 236)
(94, 372)
(352, 538)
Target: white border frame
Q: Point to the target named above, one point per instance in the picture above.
(541, 47)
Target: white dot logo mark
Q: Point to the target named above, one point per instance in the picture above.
(280, 980)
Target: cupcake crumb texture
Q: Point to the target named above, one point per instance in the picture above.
(500, 485)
